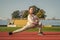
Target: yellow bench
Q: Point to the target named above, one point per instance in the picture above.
(20, 23)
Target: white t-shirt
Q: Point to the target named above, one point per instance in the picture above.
(31, 19)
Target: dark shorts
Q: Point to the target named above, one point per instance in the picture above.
(37, 25)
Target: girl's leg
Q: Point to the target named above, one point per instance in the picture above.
(40, 29)
(22, 29)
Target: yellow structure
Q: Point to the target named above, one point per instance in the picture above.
(47, 25)
(20, 23)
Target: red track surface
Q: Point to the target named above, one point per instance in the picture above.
(30, 36)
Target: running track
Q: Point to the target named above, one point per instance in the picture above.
(30, 36)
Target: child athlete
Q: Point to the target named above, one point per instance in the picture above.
(33, 21)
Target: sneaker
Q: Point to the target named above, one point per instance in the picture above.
(10, 33)
(41, 33)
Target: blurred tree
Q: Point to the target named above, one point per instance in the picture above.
(15, 14)
(25, 14)
(37, 11)
(41, 14)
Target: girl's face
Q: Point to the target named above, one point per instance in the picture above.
(31, 10)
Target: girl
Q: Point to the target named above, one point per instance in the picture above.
(33, 21)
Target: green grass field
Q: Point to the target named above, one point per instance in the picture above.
(45, 29)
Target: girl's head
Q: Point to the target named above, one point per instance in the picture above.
(31, 10)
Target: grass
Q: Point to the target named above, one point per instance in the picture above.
(45, 29)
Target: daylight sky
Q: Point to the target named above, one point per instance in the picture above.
(52, 7)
